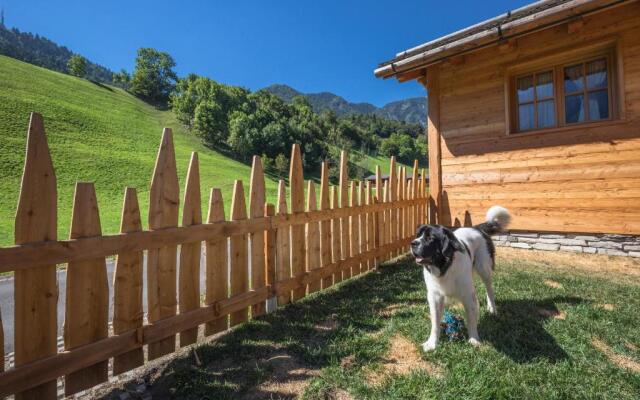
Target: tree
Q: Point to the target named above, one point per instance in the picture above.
(77, 66)
(122, 79)
(153, 77)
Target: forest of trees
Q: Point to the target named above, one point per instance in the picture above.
(232, 119)
(242, 123)
(40, 51)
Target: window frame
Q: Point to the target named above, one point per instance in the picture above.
(535, 100)
(585, 91)
(556, 65)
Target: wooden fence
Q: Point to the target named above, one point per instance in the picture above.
(284, 251)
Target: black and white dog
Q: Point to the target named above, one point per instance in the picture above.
(449, 258)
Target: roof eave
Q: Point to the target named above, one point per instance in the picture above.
(562, 13)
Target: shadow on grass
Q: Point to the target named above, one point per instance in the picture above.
(518, 330)
(100, 85)
(267, 357)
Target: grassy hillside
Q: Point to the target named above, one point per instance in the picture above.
(99, 134)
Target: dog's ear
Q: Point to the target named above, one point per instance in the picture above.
(450, 243)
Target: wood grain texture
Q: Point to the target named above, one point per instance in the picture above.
(345, 244)
(362, 219)
(354, 232)
(296, 185)
(369, 225)
(579, 178)
(36, 289)
(393, 219)
(256, 210)
(238, 254)
(164, 200)
(283, 268)
(87, 293)
(216, 264)
(325, 226)
(379, 230)
(312, 236)
(433, 142)
(190, 253)
(336, 234)
(127, 286)
(270, 247)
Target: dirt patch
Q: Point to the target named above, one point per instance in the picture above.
(594, 264)
(390, 310)
(630, 346)
(347, 362)
(402, 358)
(328, 325)
(338, 394)
(288, 380)
(606, 306)
(555, 314)
(620, 360)
(553, 284)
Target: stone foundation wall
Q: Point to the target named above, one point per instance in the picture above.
(610, 244)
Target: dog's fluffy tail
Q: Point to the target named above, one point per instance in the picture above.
(498, 219)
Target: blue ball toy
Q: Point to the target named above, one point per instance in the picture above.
(452, 326)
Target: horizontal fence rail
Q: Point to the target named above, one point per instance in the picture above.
(261, 253)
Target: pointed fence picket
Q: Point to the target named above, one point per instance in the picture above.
(259, 253)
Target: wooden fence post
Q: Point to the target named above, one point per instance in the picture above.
(256, 210)
(296, 185)
(270, 252)
(283, 254)
(127, 286)
(415, 194)
(239, 260)
(379, 231)
(87, 295)
(217, 265)
(190, 253)
(425, 189)
(336, 234)
(313, 238)
(394, 214)
(354, 234)
(36, 289)
(345, 245)
(370, 226)
(325, 226)
(361, 221)
(164, 200)
(388, 233)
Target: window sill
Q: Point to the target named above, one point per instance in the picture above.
(587, 125)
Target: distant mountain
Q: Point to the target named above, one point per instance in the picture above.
(40, 51)
(413, 110)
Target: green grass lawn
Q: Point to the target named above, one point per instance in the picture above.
(99, 134)
(546, 343)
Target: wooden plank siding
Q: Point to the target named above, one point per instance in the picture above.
(581, 178)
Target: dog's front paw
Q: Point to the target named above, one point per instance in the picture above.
(429, 345)
(475, 342)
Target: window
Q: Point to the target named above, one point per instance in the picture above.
(563, 95)
(586, 91)
(536, 101)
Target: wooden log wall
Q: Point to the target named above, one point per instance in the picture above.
(263, 252)
(576, 178)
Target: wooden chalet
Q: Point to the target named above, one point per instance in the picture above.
(537, 110)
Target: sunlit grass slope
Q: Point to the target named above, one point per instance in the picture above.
(98, 134)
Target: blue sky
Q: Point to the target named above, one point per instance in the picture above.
(327, 45)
